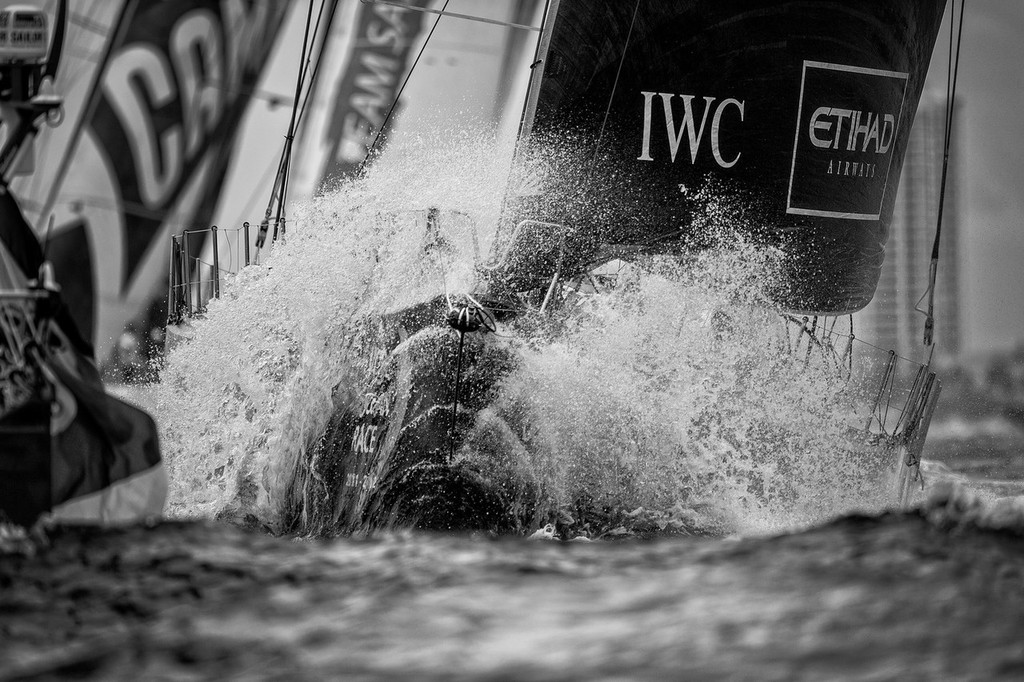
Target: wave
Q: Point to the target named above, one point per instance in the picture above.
(953, 506)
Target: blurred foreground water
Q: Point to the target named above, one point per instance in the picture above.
(933, 594)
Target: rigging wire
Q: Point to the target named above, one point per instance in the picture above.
(455, 397)
(441, 12)
(615, 84)
(280, 190)
(952, 71)
(398, 96)
(302, 110)
(280, 182)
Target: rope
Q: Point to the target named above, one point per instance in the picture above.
(470, 17)
(468, 318)
(811, 338)
(557, 275)
(952, 71)
(455, 398)
(615, 84)
(279, 191)
(486, 318)
(283, 169)
(888, 381)
(398, 96)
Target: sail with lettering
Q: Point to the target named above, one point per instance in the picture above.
(641, 111)
(154, 93)
(360, 100)
(70, 451)
(364, 60)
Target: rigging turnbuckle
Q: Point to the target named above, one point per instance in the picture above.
(467, 318)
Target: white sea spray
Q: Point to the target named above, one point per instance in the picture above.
(675, 392)
(679, 390)
(240, 403)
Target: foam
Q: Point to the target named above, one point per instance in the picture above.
(675, 392)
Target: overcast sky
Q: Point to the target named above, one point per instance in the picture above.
(991, 92)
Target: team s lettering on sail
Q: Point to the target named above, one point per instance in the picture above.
(377, 67)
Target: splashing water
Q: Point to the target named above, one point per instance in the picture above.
(239, 404)
(676, 395)
(672, 394)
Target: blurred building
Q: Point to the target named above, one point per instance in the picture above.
(890, 320)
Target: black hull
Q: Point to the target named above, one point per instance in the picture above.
(25, 476)
(387, 457)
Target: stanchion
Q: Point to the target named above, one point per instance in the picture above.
(172, 269)
(215, 284)
(245, 229)
(187, 272)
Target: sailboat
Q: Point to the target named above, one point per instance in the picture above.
(636, 114)
(138, 132)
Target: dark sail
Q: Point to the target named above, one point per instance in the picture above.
(797, 112)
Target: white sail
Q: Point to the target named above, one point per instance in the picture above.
(464, 77)
(152, 95)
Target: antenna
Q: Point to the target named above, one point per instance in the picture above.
(46, 240)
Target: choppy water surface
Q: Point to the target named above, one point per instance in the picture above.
(929, 595)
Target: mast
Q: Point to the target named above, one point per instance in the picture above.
(537, 73)
(124, 20)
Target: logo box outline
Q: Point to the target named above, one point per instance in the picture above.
(796, 210)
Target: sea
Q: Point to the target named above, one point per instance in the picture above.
(747, 535)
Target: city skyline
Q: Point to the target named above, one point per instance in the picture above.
(990, 94)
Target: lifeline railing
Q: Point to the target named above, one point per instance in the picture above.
(903, 393)
(192, 281)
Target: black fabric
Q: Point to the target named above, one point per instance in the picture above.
(19, 238)
(109, 439)
(25, 463)
(687, 117)
(21, 242)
